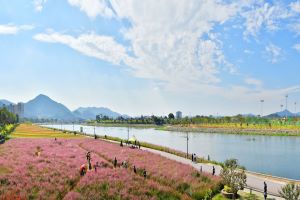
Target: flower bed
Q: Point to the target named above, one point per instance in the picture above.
(49, 169)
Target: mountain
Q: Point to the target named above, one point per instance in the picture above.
(88, 113)
(283, 113)
(5, 102)
(42, 107)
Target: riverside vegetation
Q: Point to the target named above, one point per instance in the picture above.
(251, 125)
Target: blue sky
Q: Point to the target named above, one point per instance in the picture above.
(147, 57)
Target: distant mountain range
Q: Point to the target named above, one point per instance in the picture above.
(283, 113)
(43, 107)
(5, 102)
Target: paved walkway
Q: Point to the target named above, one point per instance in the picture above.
(255, 182)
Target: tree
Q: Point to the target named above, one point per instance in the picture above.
(233, 177)
(171, 116)
(290, 191)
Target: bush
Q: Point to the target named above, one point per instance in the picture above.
(233, 177)
(290, 191)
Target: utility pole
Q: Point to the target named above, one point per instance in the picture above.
(295, 107)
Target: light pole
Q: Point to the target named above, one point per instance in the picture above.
(295, 107)
(128, 133)
(286, 100)
(262, 107)
(281, 106)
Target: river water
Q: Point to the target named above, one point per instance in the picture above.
(274, 155)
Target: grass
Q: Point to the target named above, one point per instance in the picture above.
(34, 131)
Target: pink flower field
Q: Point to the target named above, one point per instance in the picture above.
(49, 169)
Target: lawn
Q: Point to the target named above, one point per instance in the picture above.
(44, 168)
(34, 131)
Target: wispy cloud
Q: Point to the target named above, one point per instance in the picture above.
(297, 47)
(93, 7)
(10, 29)
(39, 4)
(101, 47)
(263, 15)
(273, 52)
(253, 81)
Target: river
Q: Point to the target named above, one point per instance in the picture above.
(273, 155)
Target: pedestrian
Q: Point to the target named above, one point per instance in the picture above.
(134, 169)
(55, 139)
(192, 157)
(139, 145)
(214, 171)
(195, 158)
(121, 143)
(145, 173)
(201, 169)
(115, 162)
(82, 170)
(265, 190)
(208, 158)
(95, 167)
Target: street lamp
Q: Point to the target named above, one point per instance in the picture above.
(261, 108)
(295, 107)
(286, 100)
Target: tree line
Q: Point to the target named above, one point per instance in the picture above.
(170, 119)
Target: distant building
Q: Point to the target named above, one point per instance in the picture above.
(17, 109)
(178, 115)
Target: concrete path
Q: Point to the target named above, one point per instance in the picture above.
(255, 182)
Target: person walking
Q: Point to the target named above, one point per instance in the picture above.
(201, 169)
(134, 169)
(115, 162)
(121, 143)
(214, 171)
(265, 190)
(192, 157)
(145, 173)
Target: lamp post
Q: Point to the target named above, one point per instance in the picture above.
(286, 100)
(262, 107)
(295, 107)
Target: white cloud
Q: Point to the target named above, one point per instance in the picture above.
(10, 29)
(295, 6)
(263, 15)
(93, 7)
(297, 47)
(101, 47)
(273, 52)
(166, 38)
(39, 4)
(253, 81)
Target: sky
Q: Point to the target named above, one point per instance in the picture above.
(202, 57)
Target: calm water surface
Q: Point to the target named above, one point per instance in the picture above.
(278, 156)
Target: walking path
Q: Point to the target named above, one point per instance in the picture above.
(254, 182)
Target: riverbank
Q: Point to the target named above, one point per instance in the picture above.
(236, 130)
